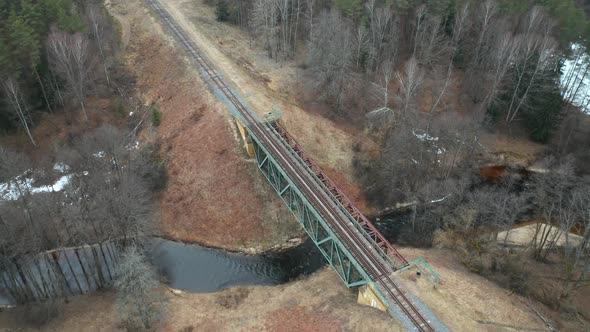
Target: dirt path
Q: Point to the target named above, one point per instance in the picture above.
(123, 23)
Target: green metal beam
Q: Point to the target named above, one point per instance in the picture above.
(338, 256)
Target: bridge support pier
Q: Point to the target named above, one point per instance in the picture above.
(368, 297)
(246, 137)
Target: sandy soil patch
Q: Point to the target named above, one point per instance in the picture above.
(123, 23)
(523, 236)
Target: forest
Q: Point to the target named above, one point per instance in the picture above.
(423, 79)
(72, 215)
(514, 50)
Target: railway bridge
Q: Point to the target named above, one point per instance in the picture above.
(351, 244)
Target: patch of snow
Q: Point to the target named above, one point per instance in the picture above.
(424, 137)
(540, 170)
(60, 167)
(577, 69)
(99, 154)
(130, 113)
(427, 138)
(439, 200)
(133, 145)
(59, 185)
(9, 191)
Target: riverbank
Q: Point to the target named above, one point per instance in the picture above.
(465, 302)
(317, 302)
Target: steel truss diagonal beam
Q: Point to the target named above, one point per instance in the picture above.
(319, 232)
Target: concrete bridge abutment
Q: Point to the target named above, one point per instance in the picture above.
(246, 138)
(367, 296)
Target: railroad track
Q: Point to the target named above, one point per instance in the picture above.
(363, 249)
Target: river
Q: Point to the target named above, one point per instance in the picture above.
(196, 269)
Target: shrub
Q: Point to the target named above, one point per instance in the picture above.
(516, 274)
(222, 11)
(156, 117)
(119, 108)
(151, 168)
(189, 328)
(543, 116)
(138, 298)
(231, 299)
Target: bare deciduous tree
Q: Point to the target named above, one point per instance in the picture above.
(98, 25)
(485, 18)
(331, 57)
(309, 13)
(500, 59)
(551, 194)
(138, 296)
(361, 43)
(459, 29)
(277, 22)
(577, 257)
(430, 42)
(383, 35)
(18, 105)
(69, 55)
(410, 81)
(537, 53)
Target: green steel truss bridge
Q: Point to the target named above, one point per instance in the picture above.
(347, 239)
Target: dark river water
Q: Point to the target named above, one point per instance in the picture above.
(197, 269)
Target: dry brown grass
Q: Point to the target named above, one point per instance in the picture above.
(465, 297)
(215, 194)
(500, 276)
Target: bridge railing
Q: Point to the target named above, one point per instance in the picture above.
(371, 234)
(425, 269)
